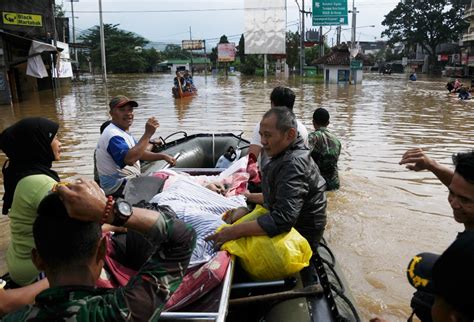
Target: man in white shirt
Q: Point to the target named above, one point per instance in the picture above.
(118, 154)
(280, 96)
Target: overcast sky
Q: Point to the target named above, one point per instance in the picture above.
(169, 21)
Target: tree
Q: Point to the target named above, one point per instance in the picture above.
(292, 49)
(175, 52)
(223, 40)
(120, 53)
(241, 51)
(428, 23)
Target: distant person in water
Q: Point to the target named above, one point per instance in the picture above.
(325, 148)
(464, 94)
(413, 77)
(118, 154)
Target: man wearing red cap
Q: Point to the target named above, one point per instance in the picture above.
(118, 154)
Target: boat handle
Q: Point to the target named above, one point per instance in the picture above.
(172, 134)
(176, 156)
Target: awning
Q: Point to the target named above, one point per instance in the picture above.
(35, 66)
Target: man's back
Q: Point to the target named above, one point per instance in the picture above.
(325, 150)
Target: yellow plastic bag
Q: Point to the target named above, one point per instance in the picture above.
(265, 258)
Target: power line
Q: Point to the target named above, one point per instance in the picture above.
(178, 10)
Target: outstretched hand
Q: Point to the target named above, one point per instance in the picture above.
(84, 200)
(416, 160)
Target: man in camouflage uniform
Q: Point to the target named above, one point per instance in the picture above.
(325, 148)
(70, 250)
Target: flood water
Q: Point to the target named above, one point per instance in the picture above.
(383, 214)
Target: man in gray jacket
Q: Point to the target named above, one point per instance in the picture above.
(293, 188)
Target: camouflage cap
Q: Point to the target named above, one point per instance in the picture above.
(121, 100)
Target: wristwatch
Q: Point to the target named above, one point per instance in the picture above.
(122, 212)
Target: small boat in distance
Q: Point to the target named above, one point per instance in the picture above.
(183, 85)
(179, 93)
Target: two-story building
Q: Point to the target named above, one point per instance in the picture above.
(27, 32)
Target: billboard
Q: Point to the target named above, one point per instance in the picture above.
(226, 52)
(329, 12)
(265, 27)
(192, 44)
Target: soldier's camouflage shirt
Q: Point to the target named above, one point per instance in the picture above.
(325, 149)
(142, 299)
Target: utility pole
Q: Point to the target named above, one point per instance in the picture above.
(353, 39)
(102, 46)
(302, 13)
(191, 51)
(74, 30)
(338, 37)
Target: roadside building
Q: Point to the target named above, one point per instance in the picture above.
(467, 52)
(199, 64)
(27, 31)
(339, 67)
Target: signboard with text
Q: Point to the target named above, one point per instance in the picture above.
(356, 64)
(329, 12)
(22, 19)
(226, 52)
(193, 44)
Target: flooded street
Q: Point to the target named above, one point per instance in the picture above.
(383, 214)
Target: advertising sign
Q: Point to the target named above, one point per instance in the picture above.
(443, 57)
(329, 12)
(192, 44)
(226, 52)
(265, 26)
(22, 19)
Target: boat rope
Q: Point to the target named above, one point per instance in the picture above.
(323, 244)
(341, 289)
(347, 300)
(213, 149)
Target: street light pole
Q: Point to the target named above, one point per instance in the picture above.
(302, 13)
(74, 31)
(102, 45)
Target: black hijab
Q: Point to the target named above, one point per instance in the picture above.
(27, 144)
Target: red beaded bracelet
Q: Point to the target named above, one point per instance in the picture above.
(107, 210)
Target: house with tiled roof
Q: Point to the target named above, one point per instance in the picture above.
(337, 66)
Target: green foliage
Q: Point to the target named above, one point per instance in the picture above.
(292, 49)
(241, 50)
(223, 40)
(175, 52)
(152, 58)
(59, 10)
(121, 56)
(312, 53)
(252, 63)
(428, 23)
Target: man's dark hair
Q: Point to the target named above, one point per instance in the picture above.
(60, 240)
(452, 275)
(285, 118)
(283, 96)
(464, 163)
(321, 117)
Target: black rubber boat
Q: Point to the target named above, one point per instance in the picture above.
(271, 301)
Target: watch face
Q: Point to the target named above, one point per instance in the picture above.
(124, 208)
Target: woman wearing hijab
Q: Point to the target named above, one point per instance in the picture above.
(31, 146)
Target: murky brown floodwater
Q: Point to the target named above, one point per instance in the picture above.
(383, 213)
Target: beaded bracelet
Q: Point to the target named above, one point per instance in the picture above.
(107, 210)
